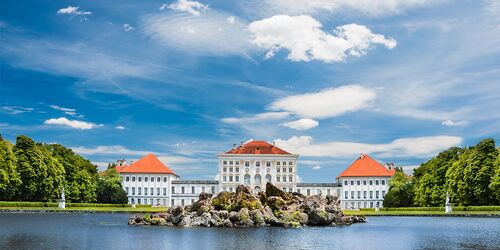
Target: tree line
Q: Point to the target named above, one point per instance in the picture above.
(31, 171)
(470, 175)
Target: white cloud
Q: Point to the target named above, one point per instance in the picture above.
(365, 7)
(68, 111)
(14, 110)
(191, 7)
(268, 116)
(301, 124)
(199, 34)
(452, 123)
(74, 11)
(303, 37)
(109, 150)
(120, 127)
(326, 103)
(231, 19)
(127, 27)
(317, 167)
(403, 147)
(63, 121)
(177, 159)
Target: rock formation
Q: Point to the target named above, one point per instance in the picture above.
(244, 209)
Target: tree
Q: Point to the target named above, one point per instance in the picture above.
(495, 179)
(430, 178)
(80, 174)
(400, 192)
(9, 178)
(109, 188)
(41, 174)
(468, 179)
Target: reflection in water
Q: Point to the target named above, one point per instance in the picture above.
(98, 231)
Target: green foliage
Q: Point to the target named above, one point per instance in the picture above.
(495, 179)
(469, 177)
(430, 178)
(9, 178)
(109, 188)
(223, 201)
(147, 218)
(81, 175)
(41, 174)
(400, 191)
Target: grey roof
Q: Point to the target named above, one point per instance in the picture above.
(195, 182)
(333, 184)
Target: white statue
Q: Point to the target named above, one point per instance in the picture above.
(447, 204)
(62, 195)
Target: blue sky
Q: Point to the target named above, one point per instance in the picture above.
(327, 79)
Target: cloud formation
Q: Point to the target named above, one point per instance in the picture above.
(301, 124)
(403, 147)
(63, 121)
(191, 7)
(74, 12)
(268, 116)
(452, 123)
(303, 37)
(127, 27)
(14, 110)
(326, 103)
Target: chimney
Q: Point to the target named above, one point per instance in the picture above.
(361, 156)
(274, 143)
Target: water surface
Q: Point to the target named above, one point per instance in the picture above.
(110, 231)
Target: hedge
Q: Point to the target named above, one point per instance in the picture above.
(455, 208)
(55, 204)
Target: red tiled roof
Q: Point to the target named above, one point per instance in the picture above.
(257, 147)
(147, 164)
(366, 166)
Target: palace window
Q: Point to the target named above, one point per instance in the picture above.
(157, 191)
(364, 194)
(172, 202)
(224, 169)
(237, 169)
(352, 183)
(152, 191)
(257, 178)
(268, 178)
(308, 192)
(213, 190)
(359, 194)
(164, 191)
(139, 191)
(237, 178)
(182, 202)
(230, 169)
(247, 179)
(158, 179)
(278, 170)
(237, 162)
(284, 163)
(268, 164)
(202, 189)
(352, 194)
(231, 178)
(278, 163)
(284, 178)
(138, 201)
(376, 194)
(383, 193)
(192, 201)
(290, 170)
(290, 163)
(284, 170)
(146, 179)
(346, 195)
(164, 179)
(346, 183)
(126, 190)
(376, 182)
(127, 178)
(364, 182)
(224, 162)
(183, 190)
(145, 191)
(133, 191)
(230, 162)
(173, 190)
(358, 182)
(277, 179)
(371, 182)
(133, 178)
(383, 182)
(371, 194)
(192, 190)
(257, 164)
(139, 178)
(247, 164)
(290, 178)
(224, 178)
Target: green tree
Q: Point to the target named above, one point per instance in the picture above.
(9, 178)
(80, 174)
(109, 188)
(400, 192)
(41, 174)
(495, 179)
(430, 178)
(468, 179)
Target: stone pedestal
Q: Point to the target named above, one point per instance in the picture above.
(133, 205)
(447, 208)
(62, 204)
(377, 209)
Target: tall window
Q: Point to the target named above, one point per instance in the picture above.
(183, 190)
(139, 178)
(126, 190)
(257, 178)
(268, 178)
(268, 164)
(364, 194)
(133, 178)
(152, 191)
(364, 182)
(133, 191)
(152, 179)
(213, 190)
(359, 194)
(257, 164)
(290, 178)
(192, 190)
(145, 191)
(284, 170)
(173, 190)
(346, 194)
(383, 182)
(352, 183)
(237, 178)
(277, 179)
(278, 163)
(146, 179)
(224, 169)
(247, 179)
(376, 194)
(157, 191)
(290, 163)
(371, 182)
(158, 179)
(352, 194)
(376, 182)
(224, 178)
(345, 183)
(371, 194)
(164, 191)
(231, 178)
(383, 193)
(290, 170)
(247, 164)
(308, 192)
(164, 179)
(139, 191)
(358, 182)
(202, 189)
(278, 170)
(127, 178)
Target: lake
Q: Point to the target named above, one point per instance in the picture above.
(110, 231)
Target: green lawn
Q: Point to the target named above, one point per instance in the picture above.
(89, 209)
(422, 213)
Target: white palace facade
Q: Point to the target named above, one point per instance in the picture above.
(149, 181)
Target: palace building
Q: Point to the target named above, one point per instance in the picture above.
(149, 181)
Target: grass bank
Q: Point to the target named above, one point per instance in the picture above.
(76, 207)
(482, 211)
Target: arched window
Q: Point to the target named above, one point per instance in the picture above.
(247, 179)
(256, 189)
(257, 178)
(268, 178)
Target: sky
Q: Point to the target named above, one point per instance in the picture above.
(400, 80)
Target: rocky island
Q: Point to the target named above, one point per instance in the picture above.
(245, 209)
